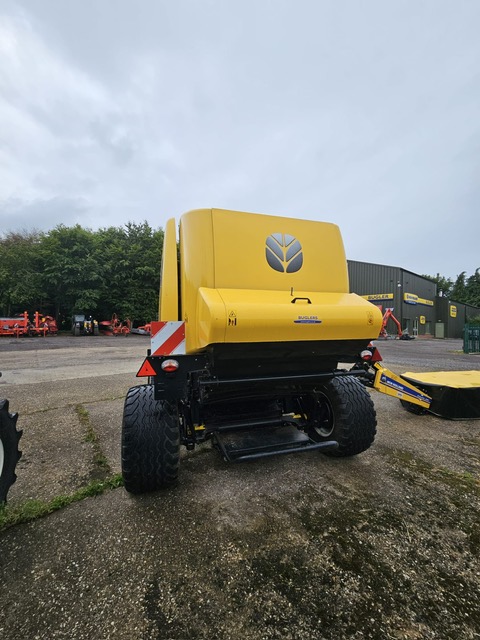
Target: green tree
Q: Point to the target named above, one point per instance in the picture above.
(20, 272)
(130, 259)
(473, 289)
(71, 273)
(145, 254)
(112, 260)
(459, 289)
(444, 285)
(73, 270)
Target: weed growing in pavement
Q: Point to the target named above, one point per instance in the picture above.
(99, 459)
(463, 482)
(34, 509)
(102, 480)
(471, 441)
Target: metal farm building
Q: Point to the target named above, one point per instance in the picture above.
(412, 298)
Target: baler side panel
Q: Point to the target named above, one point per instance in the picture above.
(168, 299)
(196, 267)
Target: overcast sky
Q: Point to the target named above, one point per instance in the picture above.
(366, 114)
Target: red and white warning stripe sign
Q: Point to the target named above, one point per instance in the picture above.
(168, 338)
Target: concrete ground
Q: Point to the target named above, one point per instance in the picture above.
(383, 545)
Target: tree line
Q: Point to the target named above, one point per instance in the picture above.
(74, 270)
(463, 289)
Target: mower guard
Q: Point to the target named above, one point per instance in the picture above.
(455, 394)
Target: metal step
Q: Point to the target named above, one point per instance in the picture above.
(266, 441)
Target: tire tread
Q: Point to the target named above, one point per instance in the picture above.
(10, 437)
(354, 415)
(150, 441)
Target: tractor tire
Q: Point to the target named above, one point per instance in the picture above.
(9, 453)
(150, 441)
(413, 408)
(343, 411)
(76, 331)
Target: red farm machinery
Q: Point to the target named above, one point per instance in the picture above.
(21, 325)
(115, 326)
(388, 315)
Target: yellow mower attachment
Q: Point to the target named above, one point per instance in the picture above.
(393, 385)
(455, 394)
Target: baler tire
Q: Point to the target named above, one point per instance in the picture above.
(150, 441)
(9, 452)
(413, 408)
(349, 417)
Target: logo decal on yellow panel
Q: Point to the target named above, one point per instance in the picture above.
(284, 253)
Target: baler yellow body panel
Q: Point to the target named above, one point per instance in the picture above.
(168, 299)
(252, 278)
(240, 247)
(239, 315)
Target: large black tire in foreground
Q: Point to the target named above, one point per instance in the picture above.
(343, 411)
(9, 453)
(150, 441)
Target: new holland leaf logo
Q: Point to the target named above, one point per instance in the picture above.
(284, 253)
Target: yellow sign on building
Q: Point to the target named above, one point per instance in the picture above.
(453, 311)
(412, 298)
(378, 296)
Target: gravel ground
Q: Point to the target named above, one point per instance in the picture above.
(385, 545)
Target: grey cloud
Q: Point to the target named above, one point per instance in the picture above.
(41, 214)
(361, 114)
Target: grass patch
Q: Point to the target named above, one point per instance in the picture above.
(471, 441)
(99, 459)
(34, 509)
(84, 419)
(462, 482)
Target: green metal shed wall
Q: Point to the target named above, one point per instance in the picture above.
(378, 280)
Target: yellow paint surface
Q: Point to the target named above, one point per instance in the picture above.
(230, 292)
(455, 379)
